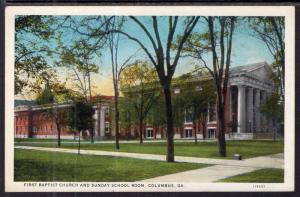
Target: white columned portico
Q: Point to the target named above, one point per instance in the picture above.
(257, 110)
(241, 109)
(250, 110)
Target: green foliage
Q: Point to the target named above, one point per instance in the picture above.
(56, 92)
(193, 98)
(273, 108)
(127, 118)
(78, 58)
(157, 113)
(139, 85)
(30, 54)
(46, 96)
(80, 116)
(271, 31)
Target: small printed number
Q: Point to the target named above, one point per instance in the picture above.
(259, 186)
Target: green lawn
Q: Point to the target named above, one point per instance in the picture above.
(248, 149)
(258, 176)
(31, 165)
(17, 140)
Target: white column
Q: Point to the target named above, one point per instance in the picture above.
(208, 111)
(230, 104)
(95, 122)
(257, 110)
(250, 110)
(102, 121)
(241, 109)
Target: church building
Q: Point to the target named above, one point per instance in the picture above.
(248, 88)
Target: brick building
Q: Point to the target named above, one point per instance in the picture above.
(248, 88)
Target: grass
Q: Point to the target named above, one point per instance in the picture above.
(17, 140)
(258, 176)
(248, 149)
(31, 165)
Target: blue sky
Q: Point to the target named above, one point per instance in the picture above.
(246, 49)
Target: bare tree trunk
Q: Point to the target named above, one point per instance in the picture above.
(141, 130)
(221, 133)
(90, 92)
(58, 137)
(204, 129)
(117, 119)
(58, 134)
(79, 143)
(274, 130)
(194, 122)
(170, 129)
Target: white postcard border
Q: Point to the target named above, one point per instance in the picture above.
(289, 138)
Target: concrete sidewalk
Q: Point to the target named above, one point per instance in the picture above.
(219, 172)
(203, 175)
(271, 161)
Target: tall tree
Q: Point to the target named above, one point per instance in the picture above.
(113, 44)
(217, 41)
(220, 72)
(195, 98)
(165, 59)
(80, 53)
(140, 86)
(31, 51)
(271, 30)
(79, 59)
(80, 118)
(273, 110)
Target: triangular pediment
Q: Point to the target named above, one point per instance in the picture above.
(261, 70)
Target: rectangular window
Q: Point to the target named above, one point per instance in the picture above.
(149, 133)
(211, 133)
(188, 133)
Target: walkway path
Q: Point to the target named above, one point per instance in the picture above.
(203, 175)
(222, 171)
(222, 167)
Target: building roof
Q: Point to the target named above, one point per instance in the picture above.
(248, 68)
(19, 102)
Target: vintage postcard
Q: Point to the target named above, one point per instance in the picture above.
(149, 98)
